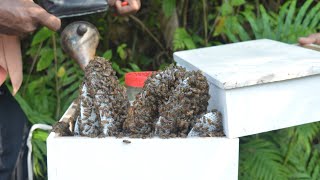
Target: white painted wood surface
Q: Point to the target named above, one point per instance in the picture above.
(84, 158)
(252, 62)
(255, 109)
(144, 159)
(260, 85)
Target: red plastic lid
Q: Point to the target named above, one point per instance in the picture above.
(137, 79)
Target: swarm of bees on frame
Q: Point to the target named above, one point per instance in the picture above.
(172, 103)
(103, 103)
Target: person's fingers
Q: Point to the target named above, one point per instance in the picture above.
(306, 40)
(123, 10)
(131, 7)
(311, 39)
(316, 38)
(46, 19)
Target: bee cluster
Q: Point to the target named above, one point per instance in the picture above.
(62, 128)
(156, 92)
(103, 103)
(172, 104)
(209, 125)
(169, 104)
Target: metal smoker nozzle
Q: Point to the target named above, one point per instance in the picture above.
(80, 41)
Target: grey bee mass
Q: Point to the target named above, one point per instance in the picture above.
(170, 105)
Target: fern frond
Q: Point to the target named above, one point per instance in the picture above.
(251, 18)
(310, 16)
(281, 19)
(182, 40)
(33, 114)
(302, 13)
(243, 34)
(313, 167)
(286, 25)
(289, 17)
(70, 83)
(306, 167)
(308, 132)
(267, 27)
(261, 159)
(315, 21)
(231, 36)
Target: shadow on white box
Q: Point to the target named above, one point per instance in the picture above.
(259, 85)
(143, 159)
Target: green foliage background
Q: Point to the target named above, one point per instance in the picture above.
(146, 41)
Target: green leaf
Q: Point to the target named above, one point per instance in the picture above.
(182, 40)
(117, 68)
(281, 18)
(232, 37)
(69, 100)
(42, 35)
(70, 79)
(108, 54)
(302, 13)
(168, 7)
(36, 84)
(226, 9)
(40, 135)
(250, 17)
(122, 52)
(237, 2)
(61, 72)
(39, 151)
(243, 34)
(290, 15)
(261, 159)
(46, 59)
(24, 105)
(311, 15)
(267, 33)
(135, 67)
(73, 88)
(315, 22)
(220, 26)
(127, 70)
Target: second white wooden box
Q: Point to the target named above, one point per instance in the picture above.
(259, 85)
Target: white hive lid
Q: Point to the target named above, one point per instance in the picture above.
(251, 62)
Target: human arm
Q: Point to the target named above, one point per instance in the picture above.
(20, 17)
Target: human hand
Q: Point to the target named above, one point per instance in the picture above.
(20, 17)
(311, 39)
(131, 7)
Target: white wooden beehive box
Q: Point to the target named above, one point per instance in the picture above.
(259, 85)
(144, 159)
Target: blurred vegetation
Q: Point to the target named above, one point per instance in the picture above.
(147, 40)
